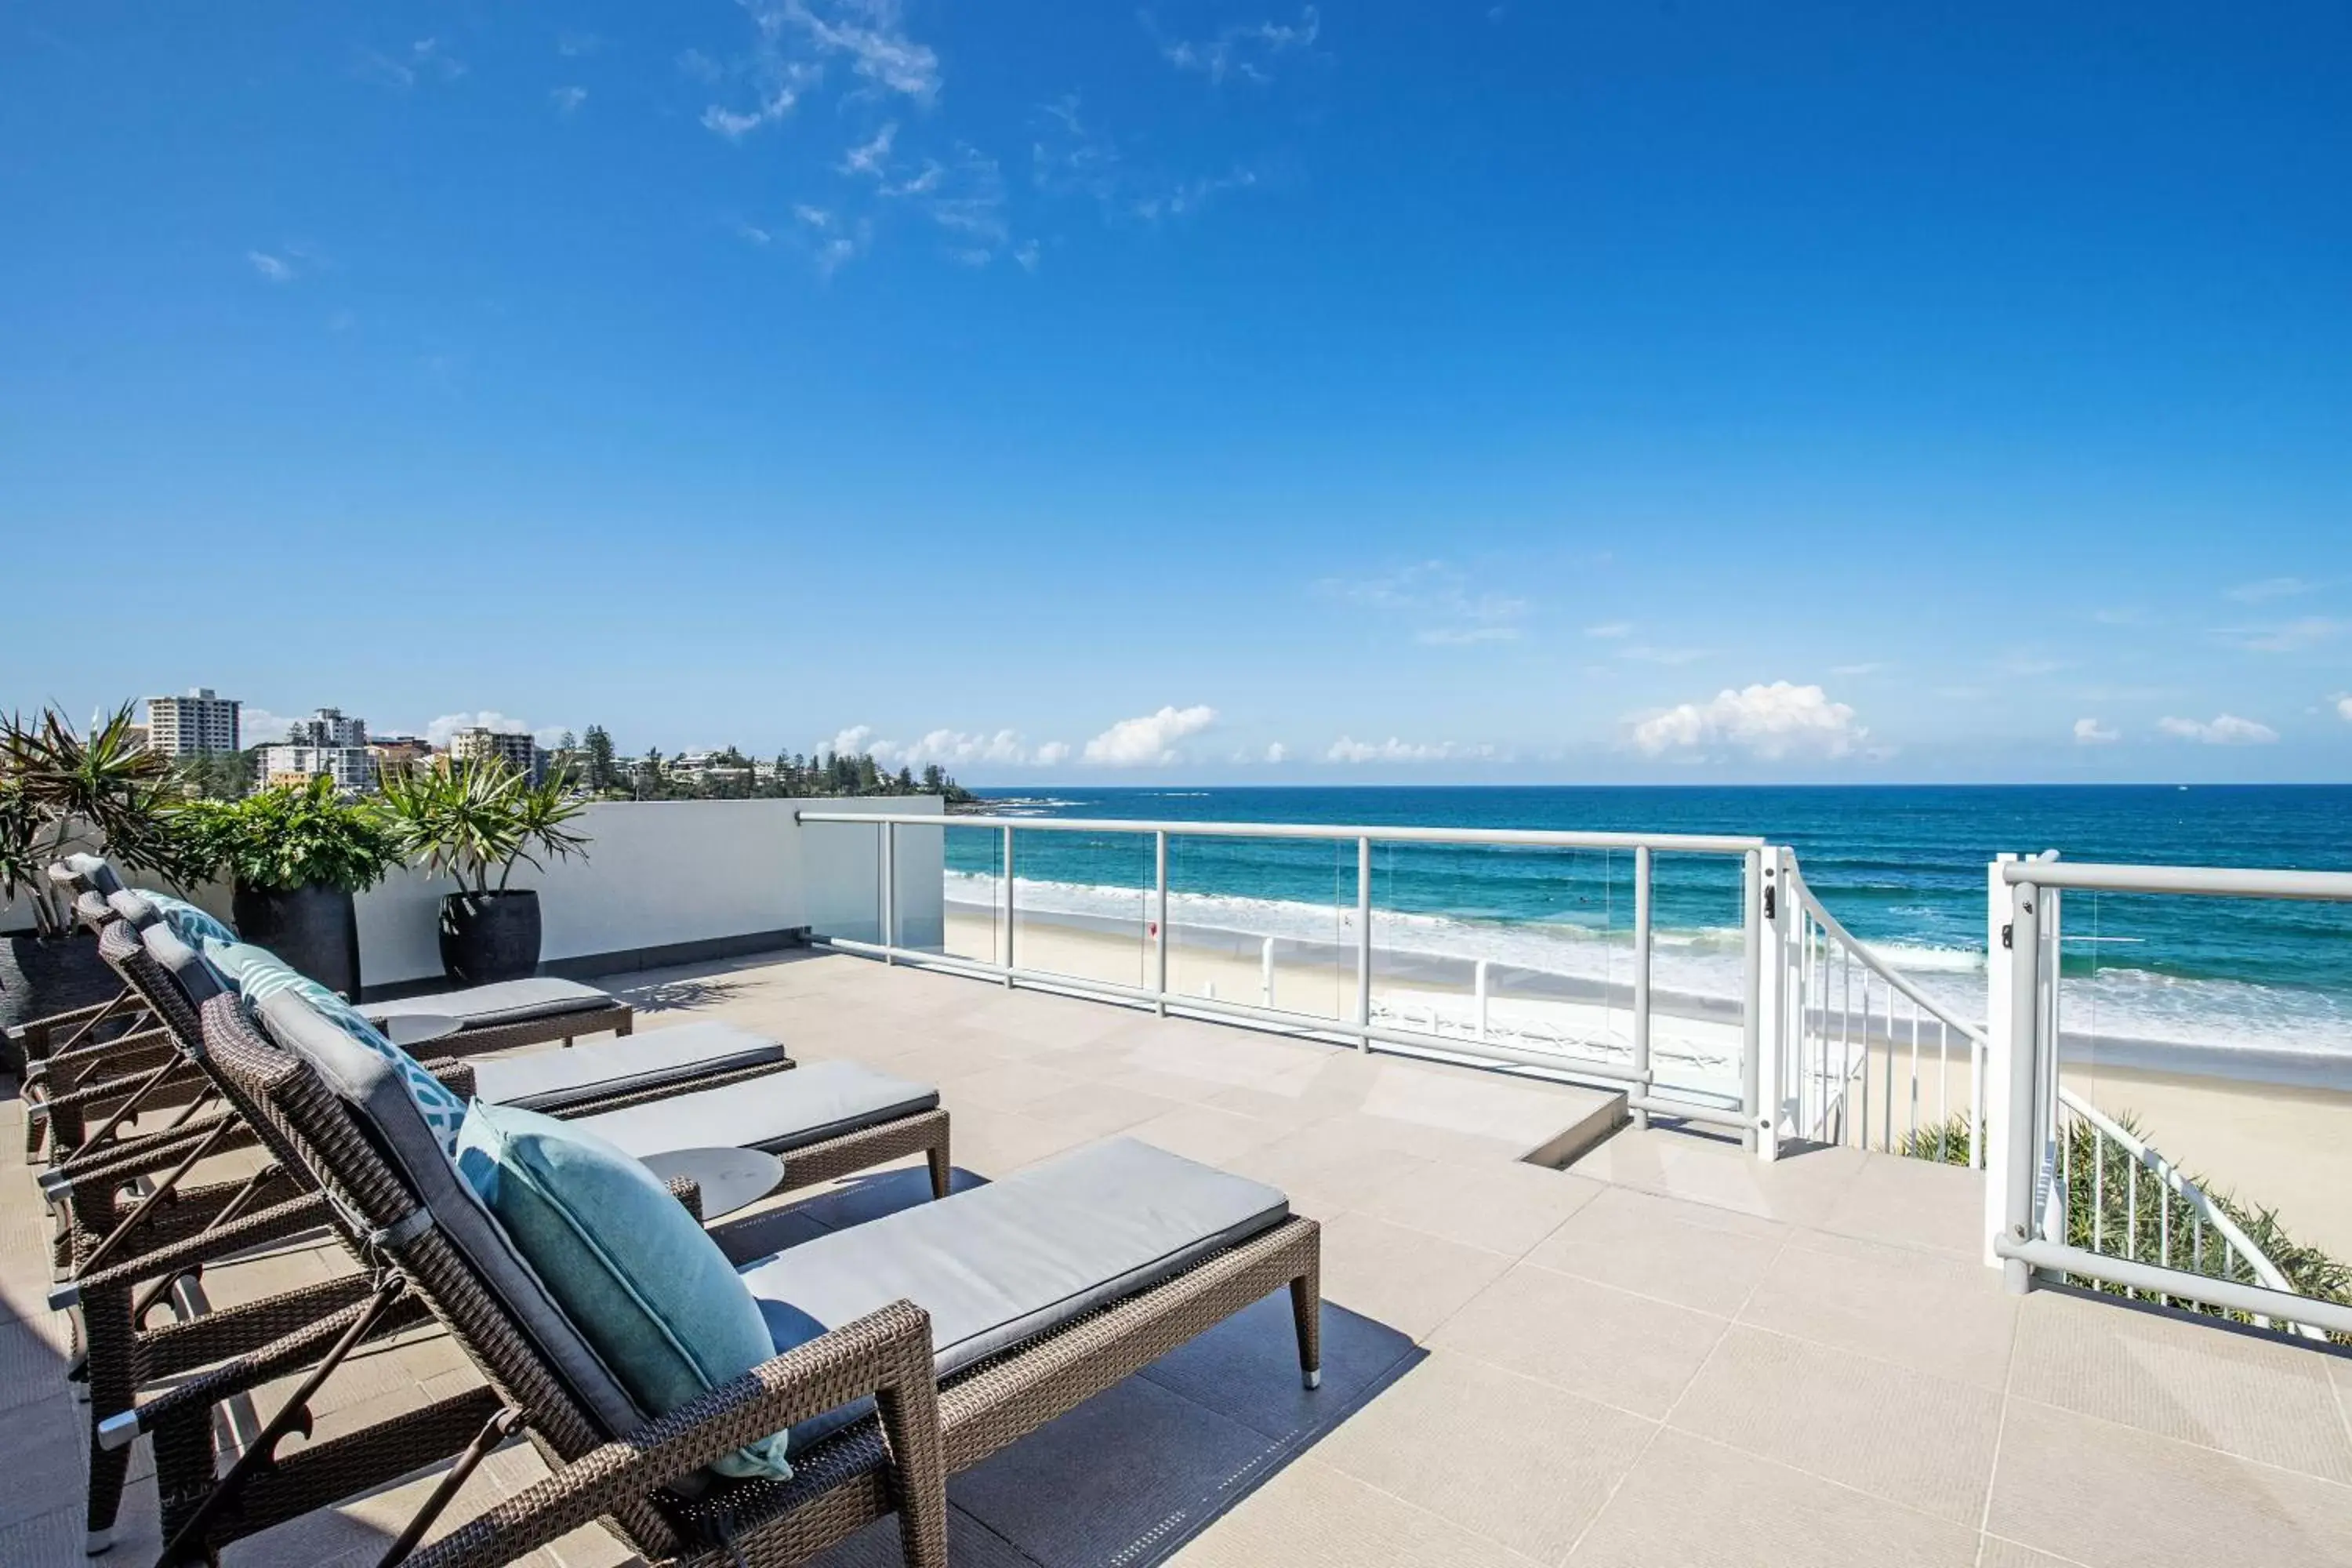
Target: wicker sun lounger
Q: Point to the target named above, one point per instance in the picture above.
(1071, 1281)
(126, 1252)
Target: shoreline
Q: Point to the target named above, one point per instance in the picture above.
(2266, 1144)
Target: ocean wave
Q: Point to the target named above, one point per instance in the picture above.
(2119, 1002)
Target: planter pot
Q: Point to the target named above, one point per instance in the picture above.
(315, 929)
(486, 937)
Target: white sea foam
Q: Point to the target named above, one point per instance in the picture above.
(2120, 1003)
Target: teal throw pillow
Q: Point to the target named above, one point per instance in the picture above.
(260, 974)
(189, 923)
(641, 1279)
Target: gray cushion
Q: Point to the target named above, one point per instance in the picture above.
(506, 1002)
(191, 970)
(779, 1112)
(379, 1103)
(95, 874)
(551, 1079)
(995, 1265)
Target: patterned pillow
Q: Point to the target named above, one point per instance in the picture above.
(189, 923)
(260, 974)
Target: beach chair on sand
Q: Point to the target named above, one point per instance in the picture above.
(127, 1249)
(941, 1335)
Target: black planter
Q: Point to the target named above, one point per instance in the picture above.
(486, 937)
(315, 929)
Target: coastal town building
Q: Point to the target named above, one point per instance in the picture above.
(352, 768)
(479, 744)
(188, 726)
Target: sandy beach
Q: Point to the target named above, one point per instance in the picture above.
(2270, 1144)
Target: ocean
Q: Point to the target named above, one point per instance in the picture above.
(1902, 867)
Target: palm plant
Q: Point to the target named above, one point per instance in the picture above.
(99, 791)
(471, 819)
(290, 838)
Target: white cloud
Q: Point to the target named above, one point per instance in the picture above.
(572, 45)
(794, 42)
(2091, 733)
(2225, 729)
(1770, 721)
(260, 727)
(1438, 592)
(1610, 630)
(1872, 668)
(2343, 708)
(1458, 636)
(871, 158)
(426, 58)
(2290, 636)
(2270, 588)
(567, 99)
(950, 748)
(1150, 738)
(1248, 51)
(1346, 749)
(276, 268)
(1278, 753)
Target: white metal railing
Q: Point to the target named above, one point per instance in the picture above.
(1868, 1057)
(2075, 1192)
(1369, 1022)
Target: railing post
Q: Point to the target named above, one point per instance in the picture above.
(1159, 919)
(1364, 941)
(1265, 973)
(2019, 1147)
(889, 893)
(1989, 1087)
(1772, 1001)
(1641, 982)
(1751, 1031)
(1008, 909)
(1478, 988)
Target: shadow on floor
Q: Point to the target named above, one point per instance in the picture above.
(681, 995)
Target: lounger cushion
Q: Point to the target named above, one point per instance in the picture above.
(643, 1281)
(551, 1079)
(779, 1112)
(260, 978)
(192, 924)
(190, 968)
(506, 1002)
(95, 873)
(378, 1096)
(996, 1264)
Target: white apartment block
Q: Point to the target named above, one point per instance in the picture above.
(476, 744)
(352, 767)
(328, 727)
(184, 726)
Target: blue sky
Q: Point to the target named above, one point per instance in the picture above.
(1408, 393)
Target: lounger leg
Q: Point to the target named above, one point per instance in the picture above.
(942, 1168)
(908, 1405)
(106, 1319)
(1307, 1312)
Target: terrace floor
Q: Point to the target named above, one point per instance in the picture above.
(1669, 1353)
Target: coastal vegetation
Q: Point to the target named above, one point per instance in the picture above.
(2123, 1202)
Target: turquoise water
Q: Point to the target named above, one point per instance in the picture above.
(1904, 869)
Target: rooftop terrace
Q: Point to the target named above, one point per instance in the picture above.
(1669, 1353)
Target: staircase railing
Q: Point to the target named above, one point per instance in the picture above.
(1869, 1056)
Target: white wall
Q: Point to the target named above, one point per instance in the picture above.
(659, 873)
(664, 872)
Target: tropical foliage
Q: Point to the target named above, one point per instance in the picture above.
(64, 790)
(299, 835)
(470, 820)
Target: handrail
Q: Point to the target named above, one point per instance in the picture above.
(1533, 838)
(2188, 1191)
(1875, 963)
(2207, 881)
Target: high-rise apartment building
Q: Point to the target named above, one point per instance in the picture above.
(328, 727)
(476, 744)
(184, 726)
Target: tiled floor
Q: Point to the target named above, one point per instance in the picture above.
(1669, 1354)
